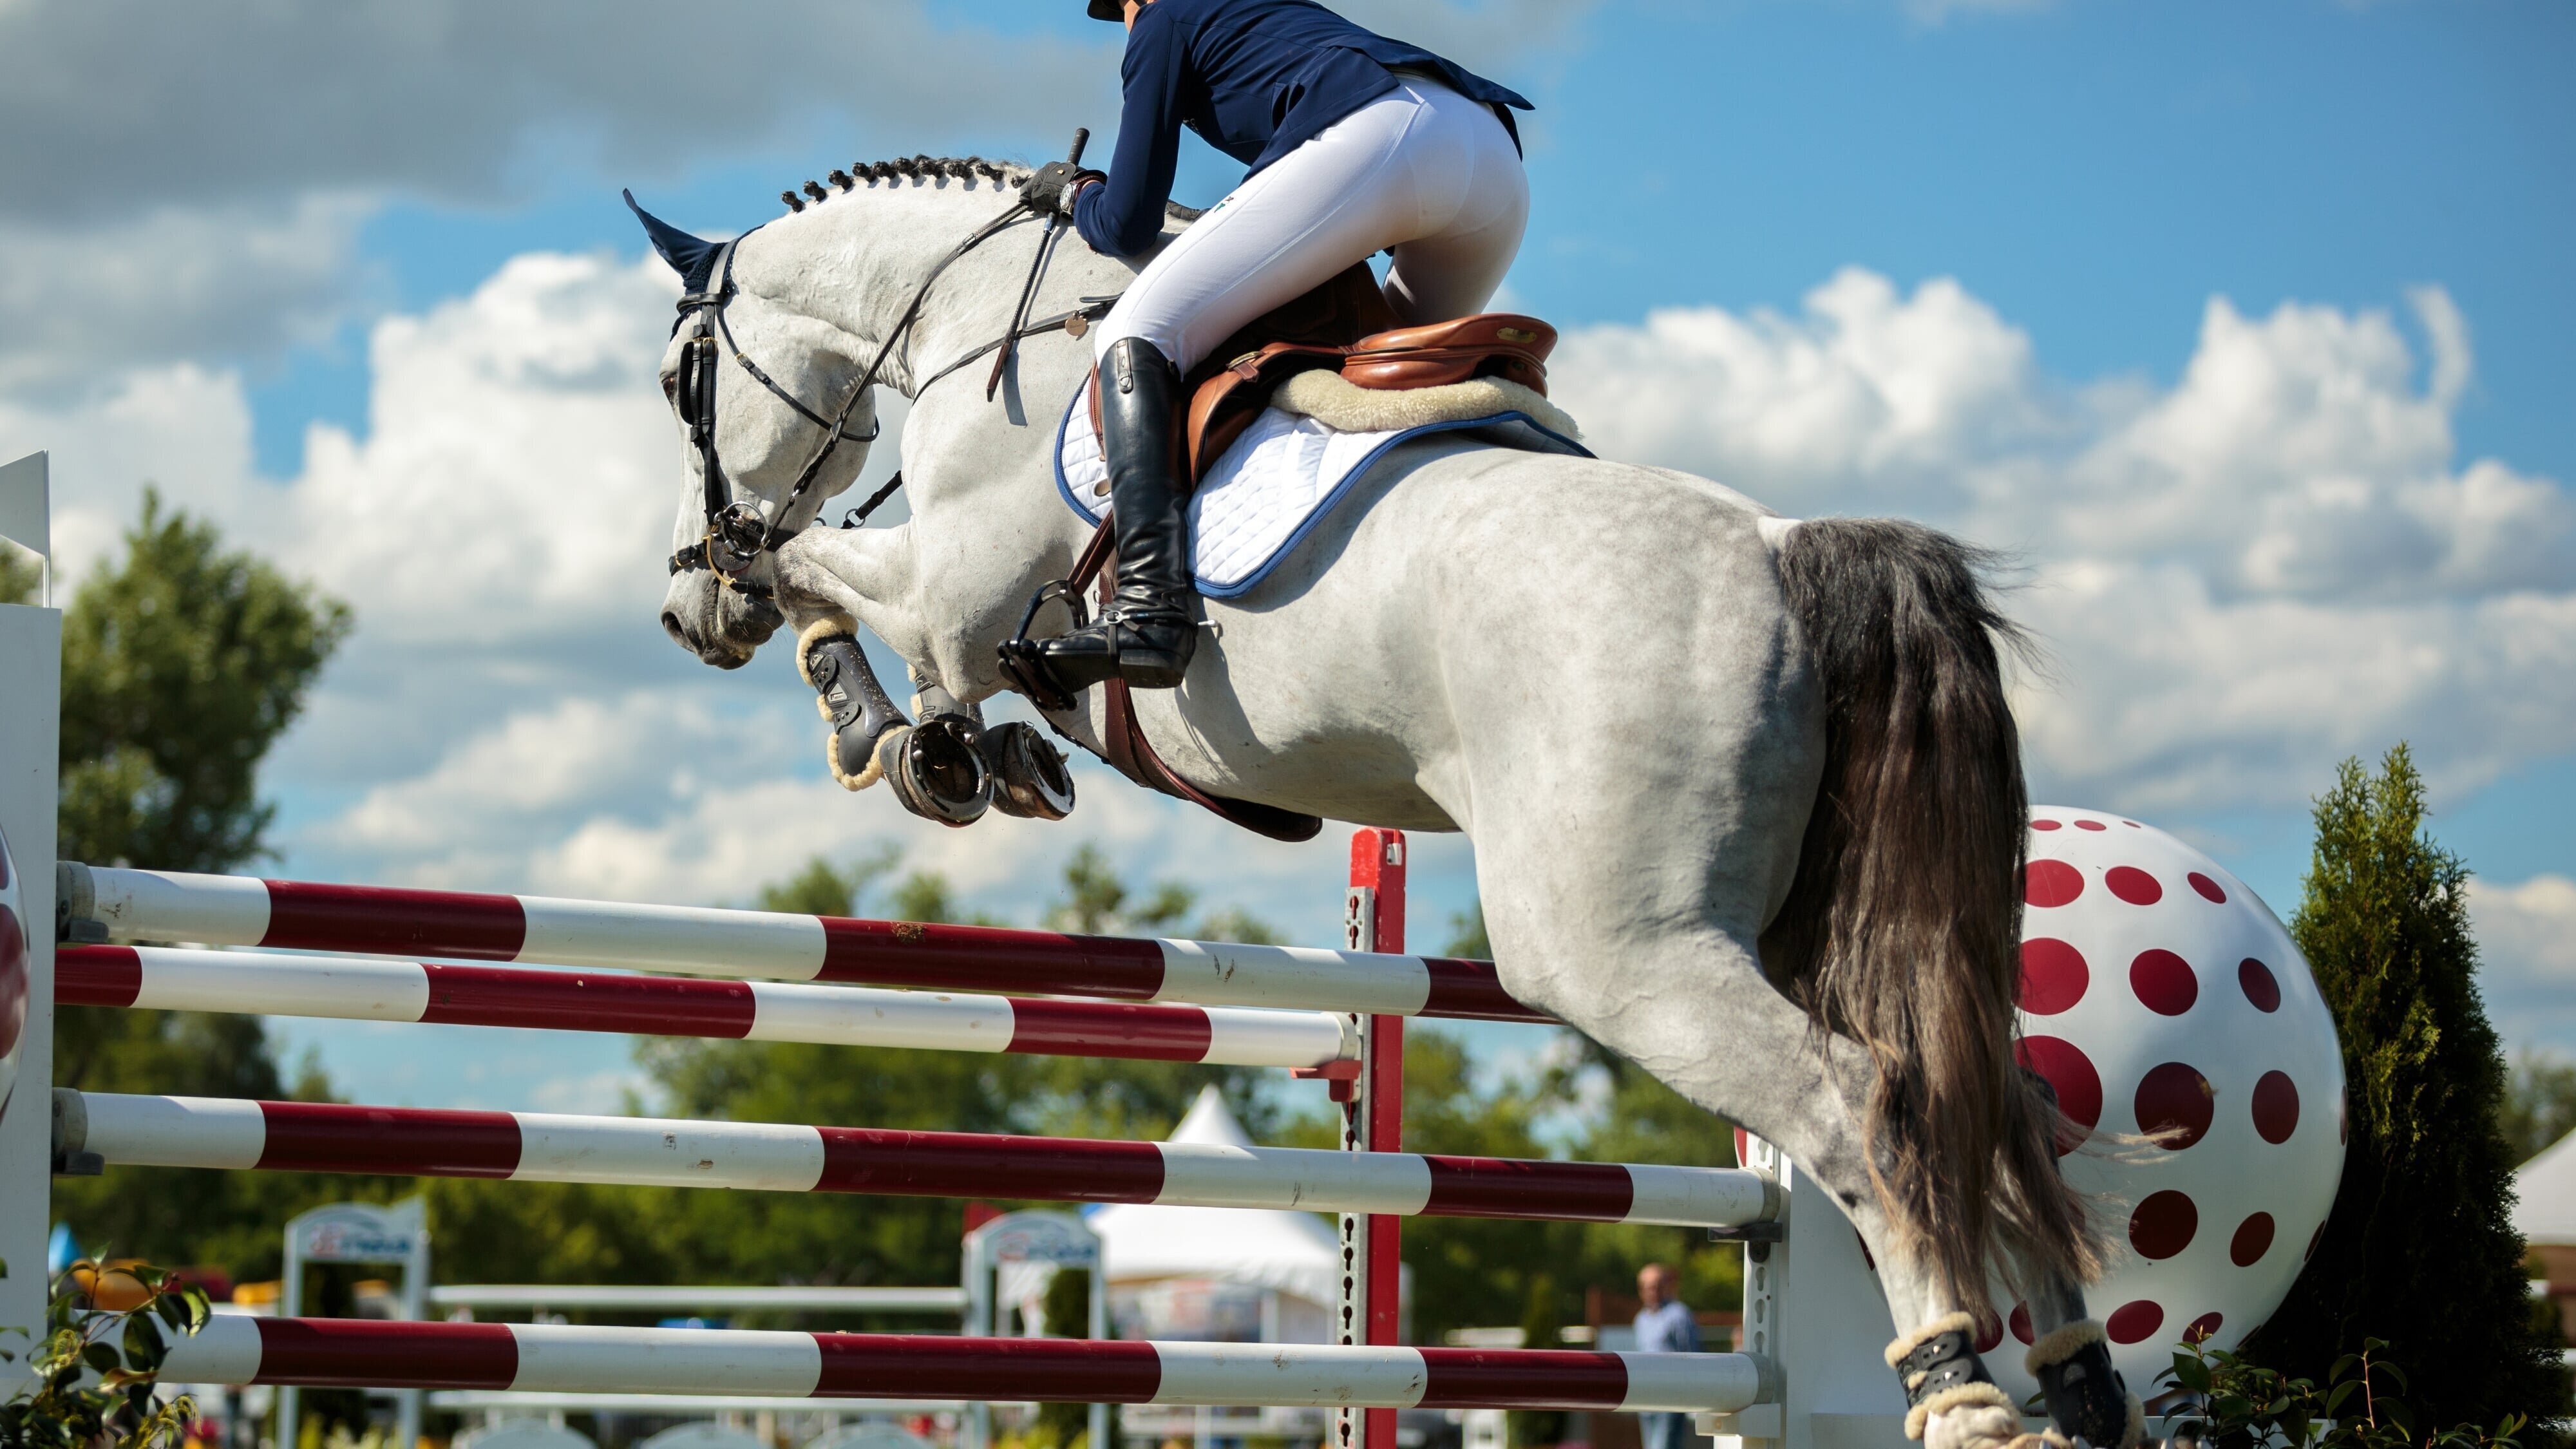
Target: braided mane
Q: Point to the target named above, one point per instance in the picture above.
(935, 168)
(910, 168)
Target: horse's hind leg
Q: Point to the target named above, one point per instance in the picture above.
(2071, 1357)
(1649, 946)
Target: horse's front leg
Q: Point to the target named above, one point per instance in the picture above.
(949, 767)
(828, 583)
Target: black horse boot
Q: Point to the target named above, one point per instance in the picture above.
(1146, 634)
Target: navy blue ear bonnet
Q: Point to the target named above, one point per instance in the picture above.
(693, 257)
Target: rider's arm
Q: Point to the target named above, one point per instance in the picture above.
(1123, 216)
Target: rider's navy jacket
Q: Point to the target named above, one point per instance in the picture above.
(1255, 79)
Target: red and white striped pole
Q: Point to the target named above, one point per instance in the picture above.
(113, 903)
(217, 1132)
(558, 1358)
(269, 983)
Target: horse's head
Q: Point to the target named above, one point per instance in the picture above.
(755, 387)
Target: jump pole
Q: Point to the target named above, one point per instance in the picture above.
(104, 903)
(340, 1352)
(113, 1129)
(349, 988)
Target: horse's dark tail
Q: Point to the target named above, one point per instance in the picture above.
(1902, 929)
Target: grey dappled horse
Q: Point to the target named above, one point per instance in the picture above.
(1744, 792)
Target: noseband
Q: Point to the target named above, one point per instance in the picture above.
(736, 533)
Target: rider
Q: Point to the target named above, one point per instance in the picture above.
(1358, 144)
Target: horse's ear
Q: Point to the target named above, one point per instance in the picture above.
(693, 257)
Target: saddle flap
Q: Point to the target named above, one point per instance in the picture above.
(1225, 404)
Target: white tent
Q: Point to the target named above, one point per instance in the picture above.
(2546, 1214)
(1292, 1259)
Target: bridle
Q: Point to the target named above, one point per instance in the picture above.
(736, 533)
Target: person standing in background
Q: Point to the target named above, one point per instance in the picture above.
(1664, 1325)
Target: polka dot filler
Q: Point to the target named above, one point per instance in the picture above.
(2175, 1105)
(2261, 988)
(2078, 1086)
(2134, 885)
(2252, 1240)
(2051, 883)
(2053, 976)
(2163, 1225)
(2163, 981)
(2161, 999)
(2135, 1321)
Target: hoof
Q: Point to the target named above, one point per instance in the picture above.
(937, 769)
(1029, 775)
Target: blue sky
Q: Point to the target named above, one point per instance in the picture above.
(2101, 238)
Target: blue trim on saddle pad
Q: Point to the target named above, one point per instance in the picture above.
(1514, 429)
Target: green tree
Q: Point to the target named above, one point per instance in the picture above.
(2540, 1103)
(2419, 1250)
(182, 663)
(180, 668)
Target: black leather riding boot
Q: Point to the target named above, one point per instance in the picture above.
(1146, 634)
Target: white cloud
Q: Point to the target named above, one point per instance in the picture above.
(157, 283)
(2276, 562)
(2527, 937)
(520, 466)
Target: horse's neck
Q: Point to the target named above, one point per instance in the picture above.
(857, 261)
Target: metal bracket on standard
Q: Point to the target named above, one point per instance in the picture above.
(1749, 1425)
(71, 1157)
(1750, 1233)
(76, 906)
(1341, 1077)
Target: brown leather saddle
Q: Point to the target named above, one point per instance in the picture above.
(1345, 326)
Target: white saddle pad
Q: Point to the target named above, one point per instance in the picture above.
(1272, 486)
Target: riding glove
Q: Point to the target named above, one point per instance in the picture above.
(1055, 185)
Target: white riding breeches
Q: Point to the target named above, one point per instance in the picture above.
(1422, 170)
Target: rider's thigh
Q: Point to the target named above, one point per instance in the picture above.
(1333, 201)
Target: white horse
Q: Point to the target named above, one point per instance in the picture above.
(1744, 792)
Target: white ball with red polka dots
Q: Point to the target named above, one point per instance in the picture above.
(14, 970)
(2160, 997)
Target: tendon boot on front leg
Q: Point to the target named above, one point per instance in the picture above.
(1951, 1401)
(1146, 634)
(2087, 1399)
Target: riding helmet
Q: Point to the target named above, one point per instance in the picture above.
(1108, 9)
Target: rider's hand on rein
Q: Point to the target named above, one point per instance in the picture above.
(1052, 188)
